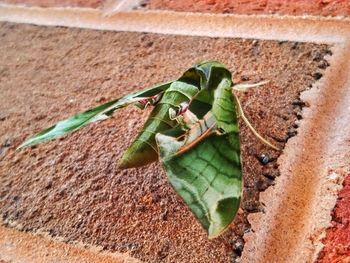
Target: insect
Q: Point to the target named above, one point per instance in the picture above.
(193, 130)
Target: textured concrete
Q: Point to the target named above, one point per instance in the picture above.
(53, 72)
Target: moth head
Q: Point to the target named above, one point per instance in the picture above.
(207, 74)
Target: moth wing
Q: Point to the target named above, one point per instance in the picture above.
(98, 113)
(207, 176)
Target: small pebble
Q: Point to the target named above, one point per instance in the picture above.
(291, 132)
(298, 103)
(7, 142)
(317, 75)
(245, 78)
(262, 184)
(294, 45)
(238, 246)
(264, 159)
(140, 208)
(255, 42)
(149, 44)
(164, 215)
(323, 64)
(251, 207)
(271, 174)
(48, 185)
(299, 116)
(329, 52)
(317, 55)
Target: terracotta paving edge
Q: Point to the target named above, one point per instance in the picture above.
(17, 246)
(298, 207)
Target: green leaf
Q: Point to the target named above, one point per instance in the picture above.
(92, 115)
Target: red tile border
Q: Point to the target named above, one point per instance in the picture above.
(285, 7)
(337, 241)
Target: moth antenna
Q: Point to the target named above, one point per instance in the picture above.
(250, 126)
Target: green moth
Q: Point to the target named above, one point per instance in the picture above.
(193, 130)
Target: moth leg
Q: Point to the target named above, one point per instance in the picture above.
(198, 132)
(183, 115)
(195, 129)
(144, 102)
(246, 86)
(250, 126)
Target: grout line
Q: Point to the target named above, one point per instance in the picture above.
(313, 166)
(304, 29)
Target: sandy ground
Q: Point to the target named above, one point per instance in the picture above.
(72, 189)
(301, 7)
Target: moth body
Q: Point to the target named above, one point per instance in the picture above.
(144, 148)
